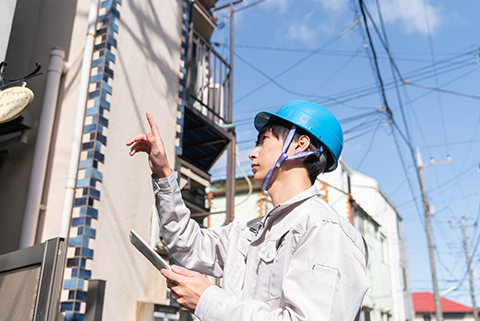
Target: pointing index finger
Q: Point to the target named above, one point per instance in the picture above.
(153, 125)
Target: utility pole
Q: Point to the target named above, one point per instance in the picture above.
(470, 276)
(230, 181)
(420, 165)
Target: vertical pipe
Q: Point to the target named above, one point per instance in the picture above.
(56, 69)
(79, 120)
(230, 192)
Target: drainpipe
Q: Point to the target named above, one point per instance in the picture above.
(57, 67)
(79, 120)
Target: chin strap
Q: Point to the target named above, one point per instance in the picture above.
(283, 157)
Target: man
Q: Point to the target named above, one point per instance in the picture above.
(302, 261)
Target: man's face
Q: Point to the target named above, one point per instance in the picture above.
(265, 155)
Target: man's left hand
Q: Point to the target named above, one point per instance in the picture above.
(186, 286)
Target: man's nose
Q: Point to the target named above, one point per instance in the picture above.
(252, 154)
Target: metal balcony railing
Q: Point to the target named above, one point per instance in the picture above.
(208, 81)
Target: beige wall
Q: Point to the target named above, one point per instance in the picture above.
(146, 78)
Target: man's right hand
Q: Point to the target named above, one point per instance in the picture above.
(151, 143)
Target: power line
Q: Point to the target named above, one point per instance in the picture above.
(369, 146)
(445, 84)
(248, 6)
(398, 71)
(359, 50)
(445, 184)
(417, 73)
(369, 90)
(331, 40)
(330, 52)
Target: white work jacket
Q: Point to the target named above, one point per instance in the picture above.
(303, 261)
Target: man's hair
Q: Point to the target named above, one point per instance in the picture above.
(315, 163)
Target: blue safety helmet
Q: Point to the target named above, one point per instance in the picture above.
(313, 118)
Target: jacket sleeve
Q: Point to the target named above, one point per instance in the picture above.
(201, 250)
(326, 280)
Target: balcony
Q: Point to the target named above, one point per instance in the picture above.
(206, 112)
(207, 105)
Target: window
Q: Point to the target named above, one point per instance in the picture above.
(165, 313)
(359, 221)
(382, 248)
(404, 275)
(386, 316)
(365, 314)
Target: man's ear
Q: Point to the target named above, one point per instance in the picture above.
(303, 144)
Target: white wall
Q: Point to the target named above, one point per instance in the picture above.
(370, 197)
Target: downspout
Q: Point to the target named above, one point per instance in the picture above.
(57, 67)
(79, 120)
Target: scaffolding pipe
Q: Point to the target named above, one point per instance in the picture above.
(79, 120)
(57, 67)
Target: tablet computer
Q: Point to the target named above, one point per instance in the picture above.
(147, 251)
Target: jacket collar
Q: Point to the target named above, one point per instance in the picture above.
(281, 216)
(312, 191)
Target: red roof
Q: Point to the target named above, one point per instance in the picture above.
(423, 302)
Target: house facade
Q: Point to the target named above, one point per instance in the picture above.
(64, 167)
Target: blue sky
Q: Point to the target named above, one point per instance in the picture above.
(318, 50)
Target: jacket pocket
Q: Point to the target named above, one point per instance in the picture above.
(267, 252)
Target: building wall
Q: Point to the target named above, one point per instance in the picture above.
(37, 27)
(246, 207)
(378, 298)
(373, 200)
(146, 78)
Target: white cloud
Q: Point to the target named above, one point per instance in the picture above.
(411, 14)
(300, 30)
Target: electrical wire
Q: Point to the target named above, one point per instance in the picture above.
(369, 146)
(430, 42)
(248, 6)
(272, 80)
(443, 185)
(250, 187)
(363, 8)
(331, 40)
(335, 53)
(445, 84)
(334, 74)
(366, 123)
(367, 91)
(418, 74)
(397, 145)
